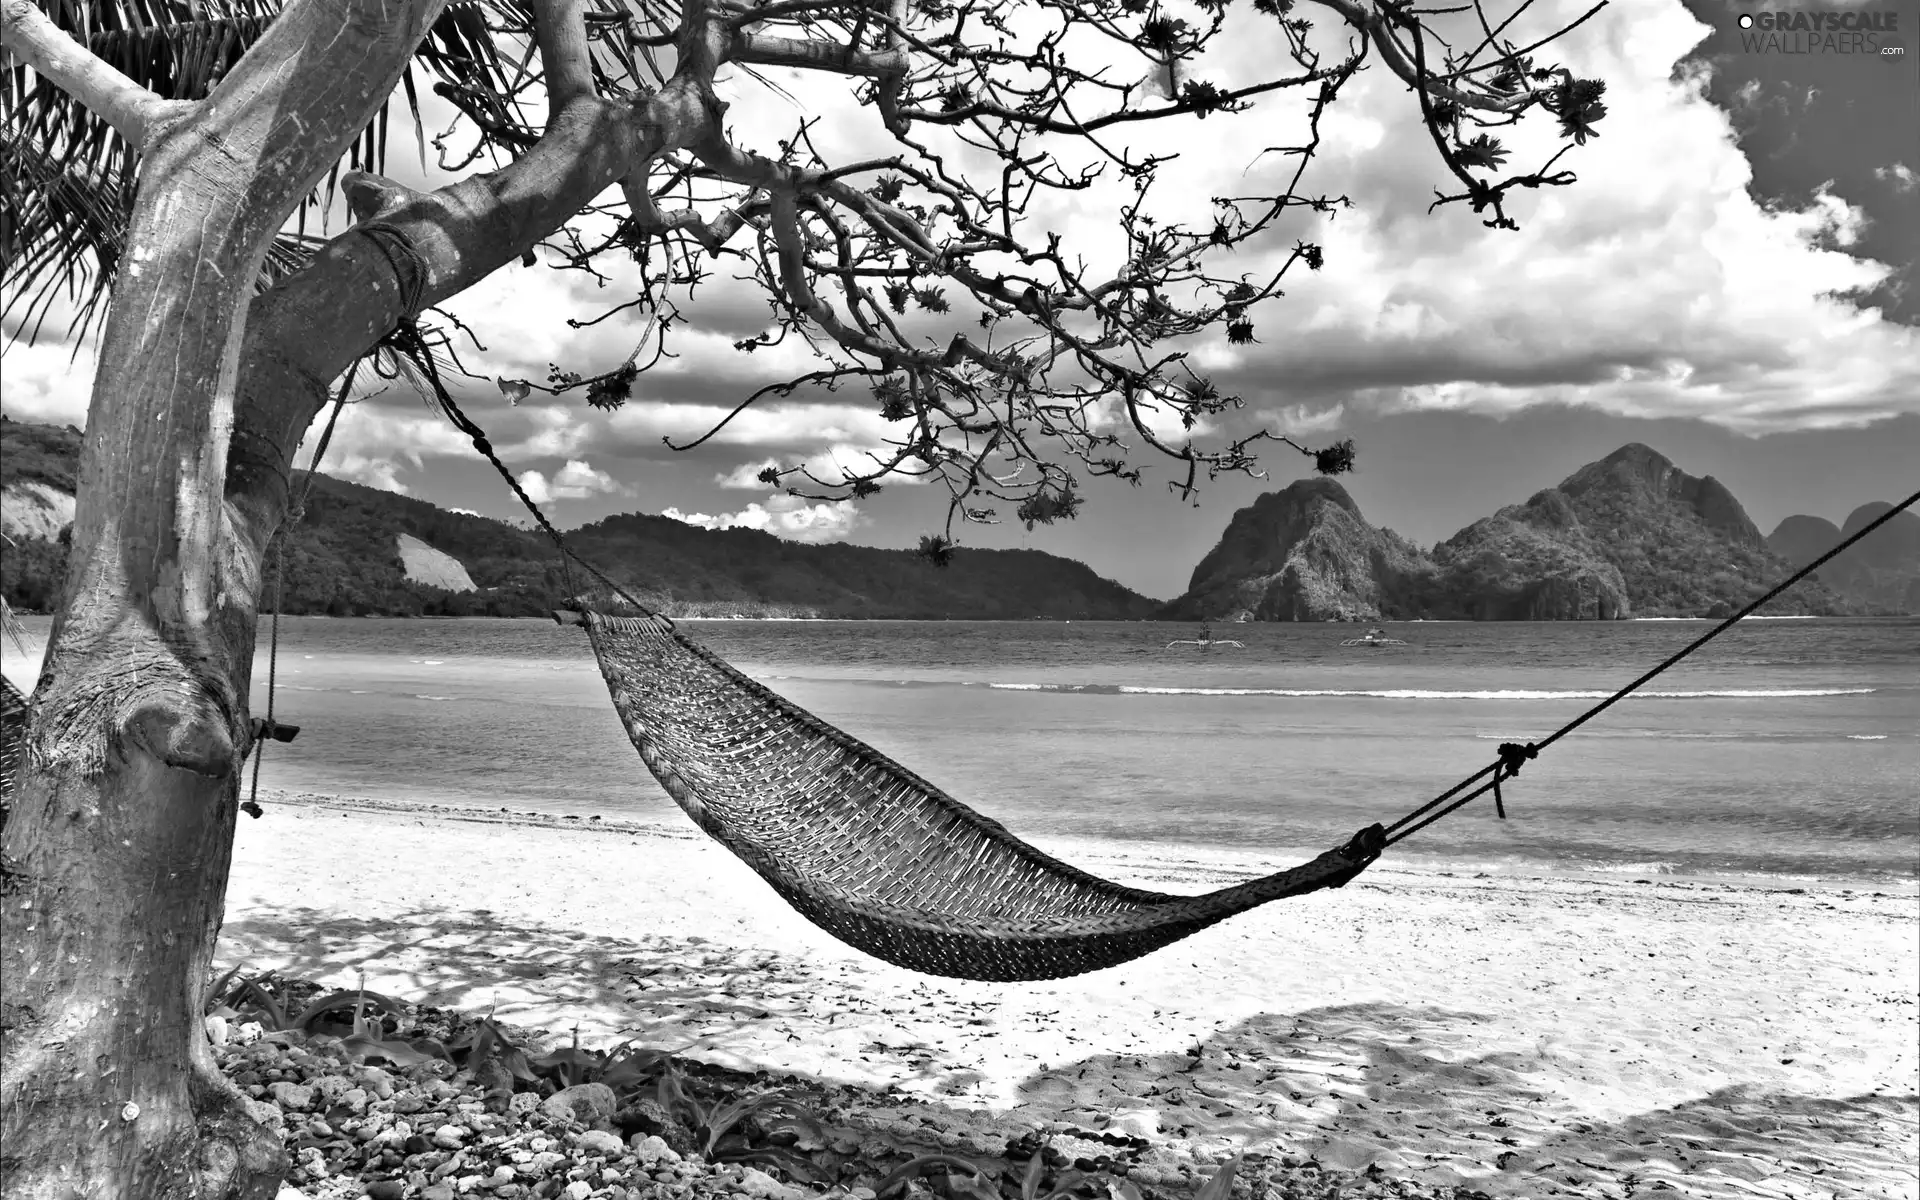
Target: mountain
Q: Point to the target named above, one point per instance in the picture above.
(1800, 539)
(1302, 554)
(1684, 545)
(360, 551)
(1879, 575)
(1528, 562)
(1631, 534)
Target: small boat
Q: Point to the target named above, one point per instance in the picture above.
(1205, 640)
(1373, 637)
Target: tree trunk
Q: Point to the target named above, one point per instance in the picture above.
(120, 837)
(111, 1087)
(117, 849)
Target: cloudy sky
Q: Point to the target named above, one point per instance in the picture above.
(1734, 280)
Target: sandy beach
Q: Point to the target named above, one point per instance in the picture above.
(1520, 1035)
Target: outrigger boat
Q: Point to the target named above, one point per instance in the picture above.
(1373, 637)
(1205, 640)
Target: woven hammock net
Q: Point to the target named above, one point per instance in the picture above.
(858, 844)
(872, 853)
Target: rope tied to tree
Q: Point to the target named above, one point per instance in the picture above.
(409, 265)
(269, 729)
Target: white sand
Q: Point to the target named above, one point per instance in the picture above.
(1521, 1035)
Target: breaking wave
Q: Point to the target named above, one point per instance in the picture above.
(1439, 694)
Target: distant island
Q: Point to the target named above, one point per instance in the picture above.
(1630, 535)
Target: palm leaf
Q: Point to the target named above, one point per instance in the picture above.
(67, 178)
(62, 231)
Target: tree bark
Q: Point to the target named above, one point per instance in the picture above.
(121, 831)
(124, 808)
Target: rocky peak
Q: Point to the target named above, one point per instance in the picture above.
(1303, 553)
(1639, 477)
(1260, 535)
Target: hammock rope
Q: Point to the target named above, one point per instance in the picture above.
(887, 862)
(1512, 755)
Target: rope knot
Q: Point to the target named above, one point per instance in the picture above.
(1513, 755)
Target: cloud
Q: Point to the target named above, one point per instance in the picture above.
(745, 477)
(575, 481)
(373, 443)
(1298, 420)
(1903, 177)
(1654, 286)
(46, 381)
(557, 432)
(831, 466)
(810, 426)
(789, 517)
(381, 473)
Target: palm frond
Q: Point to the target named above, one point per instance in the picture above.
(62, 232)
(67, 178)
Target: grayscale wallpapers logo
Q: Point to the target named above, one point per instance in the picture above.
(1872, 32)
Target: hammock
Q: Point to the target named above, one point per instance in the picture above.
(872, 853)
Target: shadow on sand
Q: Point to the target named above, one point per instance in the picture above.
(1411, 1090)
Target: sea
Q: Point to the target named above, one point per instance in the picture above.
(1786, 749)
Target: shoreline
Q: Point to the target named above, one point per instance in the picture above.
(1505, 1033)
(1205, 864)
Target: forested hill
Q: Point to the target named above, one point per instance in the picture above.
(361, 551)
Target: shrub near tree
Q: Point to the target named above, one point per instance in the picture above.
(158, 152)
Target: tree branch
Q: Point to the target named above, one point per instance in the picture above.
(807, 54)
(1401, 63)
(132, 110)
(296, 336)
(561, 33)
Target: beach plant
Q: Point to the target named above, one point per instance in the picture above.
(251, 999)
(215, 1004)
(972, 1180)
(158, 171)
(720, 1127)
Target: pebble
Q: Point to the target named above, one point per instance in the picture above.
(374, 1080)
(590, 1103)
(265, 1113)
(651, 1151)
(599, 1141)
(758, 1183)
(428, 1132)
(523, 1103)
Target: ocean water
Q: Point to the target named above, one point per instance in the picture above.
(1785, 748)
